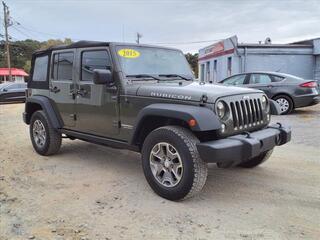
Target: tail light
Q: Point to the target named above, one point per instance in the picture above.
(311, 84)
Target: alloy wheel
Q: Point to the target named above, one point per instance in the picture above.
(284, 104)
(39, 133)
(166, 164)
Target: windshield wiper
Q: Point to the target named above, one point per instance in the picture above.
(175, 75)
(143, 76)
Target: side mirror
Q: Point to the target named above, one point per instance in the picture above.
(102, 76)
(274, 107)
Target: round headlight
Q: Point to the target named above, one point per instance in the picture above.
(264, 102)
(221, 109)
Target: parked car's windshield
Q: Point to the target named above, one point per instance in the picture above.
(137, 60)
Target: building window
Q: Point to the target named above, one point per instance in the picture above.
(62, 66)
(229, 66)
(92, 60)
(40, 69)
(215, 70)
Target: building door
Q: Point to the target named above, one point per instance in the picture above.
(215, 70)
(62, 85)
(202, 77)
(317, 69)
(96, 104)
(208, 72)
(229, 71)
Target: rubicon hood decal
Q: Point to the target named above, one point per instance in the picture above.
(170, 95)
(190, 91)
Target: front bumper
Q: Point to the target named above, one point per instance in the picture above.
(242, 147)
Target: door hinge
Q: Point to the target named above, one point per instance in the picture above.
(117, 124)
(73, 116)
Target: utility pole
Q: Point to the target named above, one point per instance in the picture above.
(139, 35)
(7, 48)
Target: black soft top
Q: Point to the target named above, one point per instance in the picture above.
(79, 44)
(83, 44)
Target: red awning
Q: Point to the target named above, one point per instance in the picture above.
(14, 72)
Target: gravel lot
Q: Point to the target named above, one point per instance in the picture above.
(94, 192)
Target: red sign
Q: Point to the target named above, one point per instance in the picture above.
(216, 48)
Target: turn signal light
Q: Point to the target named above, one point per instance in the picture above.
(311, 84)
(192, 122)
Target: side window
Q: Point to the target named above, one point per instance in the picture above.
(12, 86)
(62, 66)
(236, 80)
(260, 79)
(91, 60)
(16, 86)
(40, 69)
(276, 78)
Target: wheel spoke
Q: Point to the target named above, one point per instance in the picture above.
(171, 153)
(176, 171)
(167, 177)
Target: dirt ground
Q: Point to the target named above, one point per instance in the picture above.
(93, 192)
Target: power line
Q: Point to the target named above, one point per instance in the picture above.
(39, 32)
(23, 33)
(185, 43)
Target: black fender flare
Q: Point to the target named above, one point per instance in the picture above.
(48, 106)
(205, 118)
(274, 107)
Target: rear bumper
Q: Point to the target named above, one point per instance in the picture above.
(307, 100)
(240, 148)
(315, 100)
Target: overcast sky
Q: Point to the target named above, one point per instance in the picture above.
(173, 23)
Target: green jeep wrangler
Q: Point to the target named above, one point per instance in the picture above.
(144, 98)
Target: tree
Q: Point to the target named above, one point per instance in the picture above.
(55, 42)
(21, 51)
(193, 61)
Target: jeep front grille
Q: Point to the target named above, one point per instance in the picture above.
(246, 113)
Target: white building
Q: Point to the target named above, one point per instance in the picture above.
(228, 57)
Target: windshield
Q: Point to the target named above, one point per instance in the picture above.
(137, 60)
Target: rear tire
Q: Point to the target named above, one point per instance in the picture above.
(45, 139)
(171, 163)
(285, 103)
(256, 160)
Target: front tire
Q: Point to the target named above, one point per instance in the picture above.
(256, 160)
(45, 139)
(171, 163)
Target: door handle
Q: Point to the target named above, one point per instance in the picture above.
(73, 94)
(82, 92)
(54, 89)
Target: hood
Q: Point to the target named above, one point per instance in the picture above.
(190, 91)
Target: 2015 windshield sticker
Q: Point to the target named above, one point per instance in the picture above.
(128, 53)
